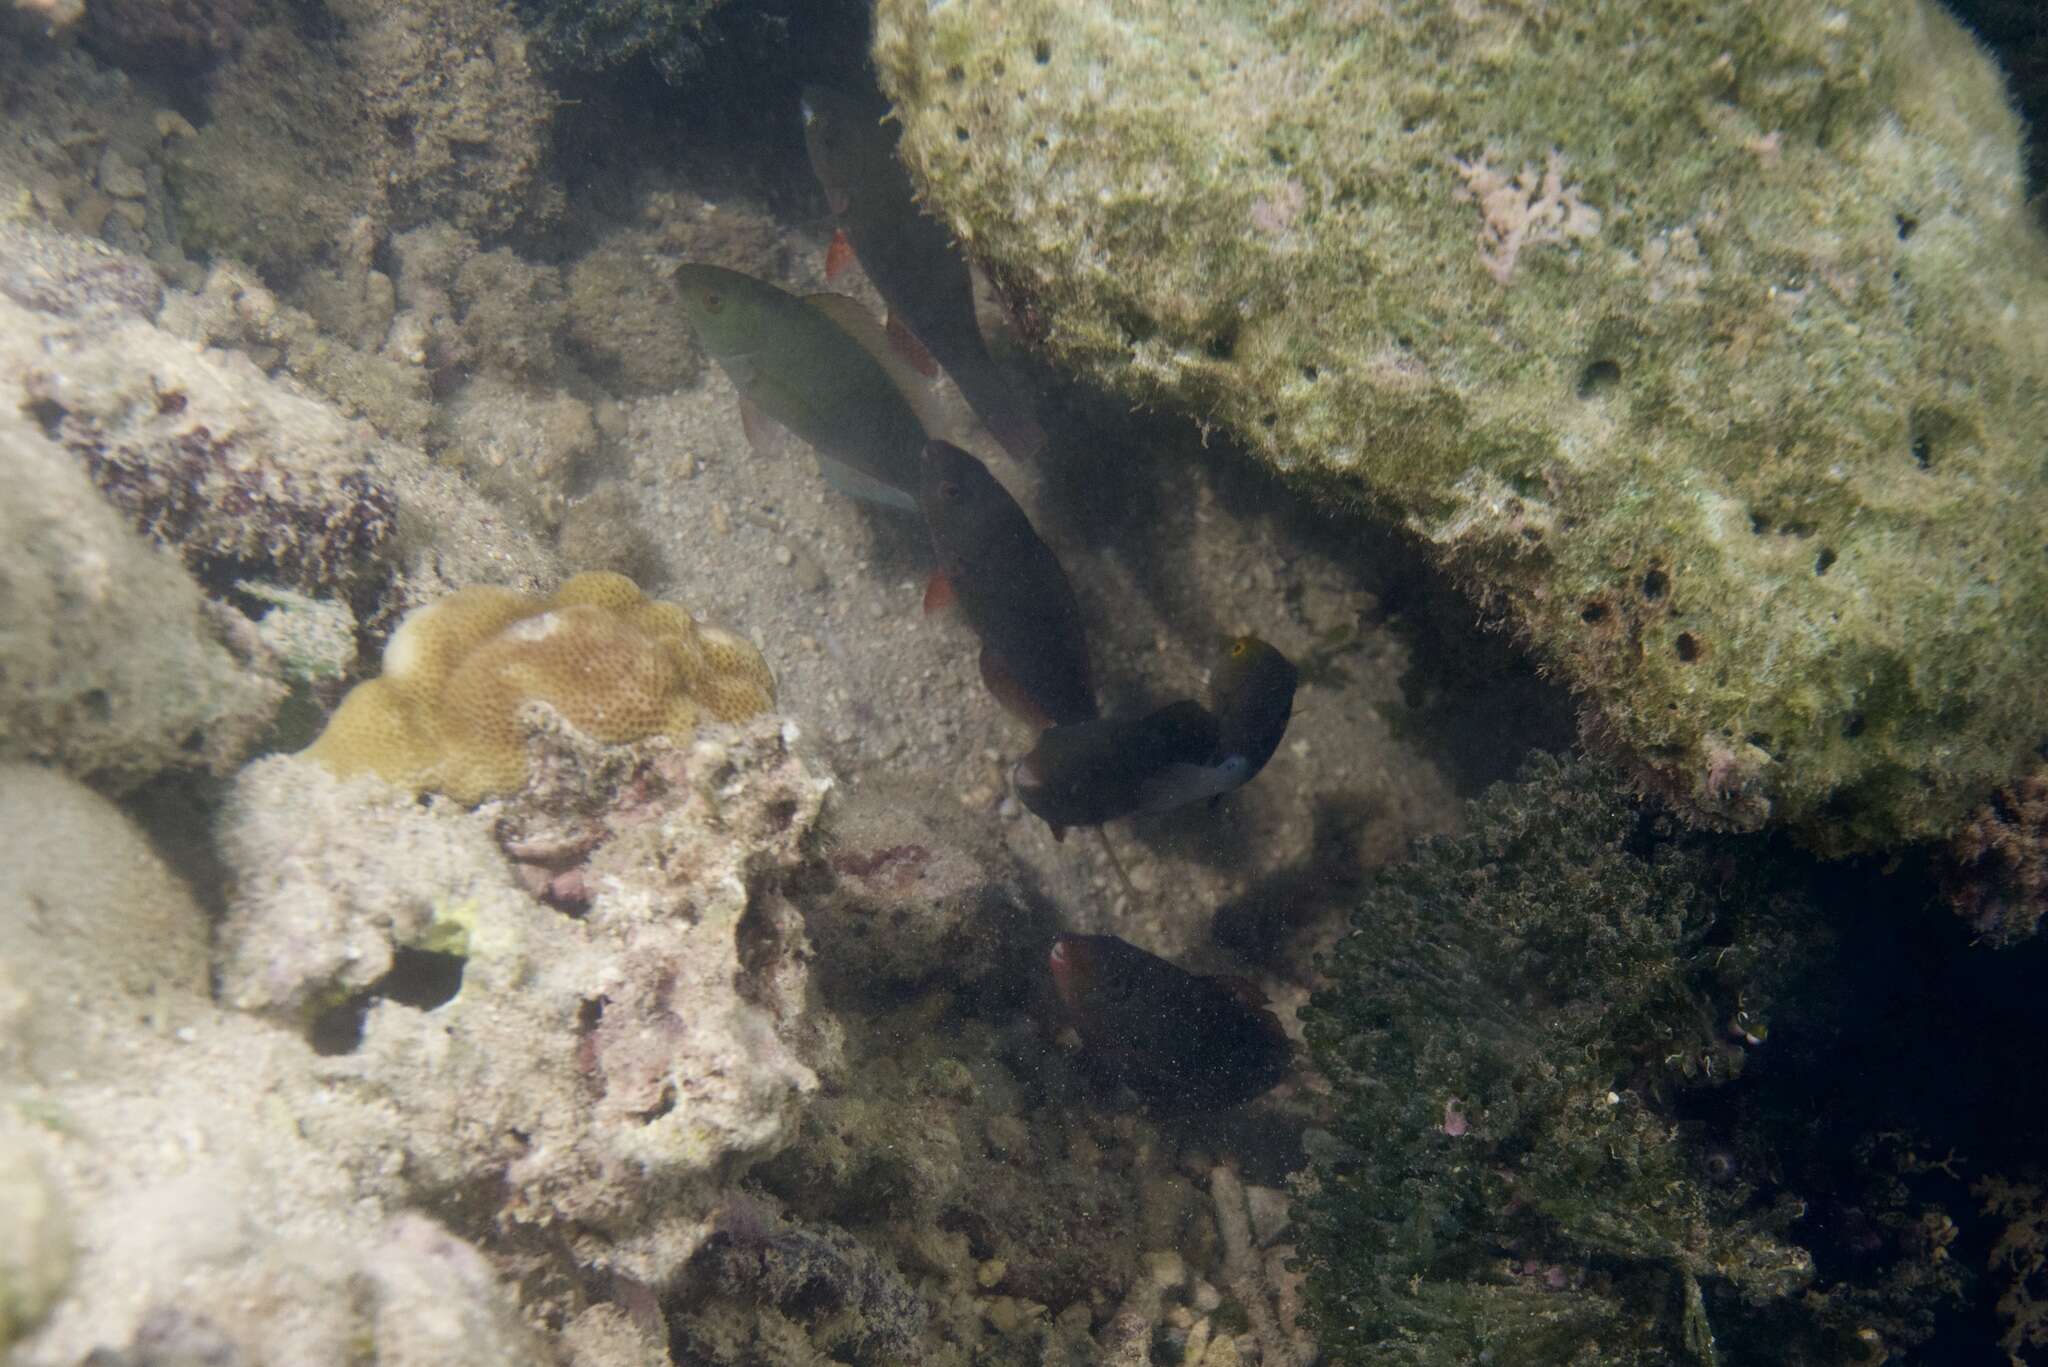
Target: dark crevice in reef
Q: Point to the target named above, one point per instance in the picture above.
(421, 978)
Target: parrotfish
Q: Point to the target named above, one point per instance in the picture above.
(1178, 1041)
(819, 367)
(1009, 585)
(1091, 772)
(1253, 697)
(910, 257)
(1105, 770)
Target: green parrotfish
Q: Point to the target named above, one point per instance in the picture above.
(910, 257)
(820, 367)
(1179, 1041)
(1009, 585)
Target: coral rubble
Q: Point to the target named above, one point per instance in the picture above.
(1705, 347)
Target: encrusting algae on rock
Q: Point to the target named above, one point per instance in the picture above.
(618, 666)
(1753, 465)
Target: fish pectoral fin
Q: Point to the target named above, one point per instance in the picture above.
(905, 344)
(854, 484)
(856, 322)
(1177, 785)
(1004, 688)
(766, 436)
(839, 255)
(938, 593)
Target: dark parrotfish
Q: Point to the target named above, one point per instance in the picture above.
(819, 367)
(1034, 654)
(1179, 1041)
(1105, 770)
(910, 256)
(1091, 772)
(1253, 697)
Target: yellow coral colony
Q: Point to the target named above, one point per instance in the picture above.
(445, 715)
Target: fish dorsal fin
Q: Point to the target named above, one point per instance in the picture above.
(856, 322)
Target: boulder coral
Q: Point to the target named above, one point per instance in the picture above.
(446, 714)
(164, 1196)
(1707, 344)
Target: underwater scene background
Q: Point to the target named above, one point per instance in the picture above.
(1023, 681)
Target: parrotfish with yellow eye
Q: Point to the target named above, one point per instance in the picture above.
(1009, 586)
(1117, 767)
(909, 256)
(1098, 771)
(1178, 1041)
(820, 367)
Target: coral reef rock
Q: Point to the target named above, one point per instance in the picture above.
(920, 892)
(116, 667)
(445, 715)
(1708, 351)
(180, 1145)
(593, 1078)
(394, 116)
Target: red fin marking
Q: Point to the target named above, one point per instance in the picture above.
(938, 594)
(838, 256)
(909, 348)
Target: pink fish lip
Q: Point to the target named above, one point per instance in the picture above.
(1057, 959)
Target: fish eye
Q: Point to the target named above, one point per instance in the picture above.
(948, 490)
(1238, 648)
(713, 301)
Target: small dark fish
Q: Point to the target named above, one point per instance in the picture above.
(1253, 698)
(1034, 655)
(1179, 1041)
(909, 256)
(1087, 774)
(1095, 771)
(819, 367)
